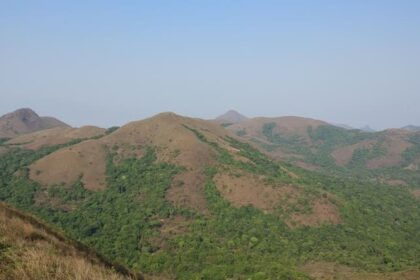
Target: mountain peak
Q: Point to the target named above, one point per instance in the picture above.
(367, 128)
(25, 120)
(232, 116)
(23, 114)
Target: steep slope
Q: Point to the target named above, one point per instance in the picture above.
(31, 250)
(25, 121)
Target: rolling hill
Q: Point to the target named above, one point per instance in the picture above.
(183, 198)
(24, 121)
(54, 136)
(390, 156)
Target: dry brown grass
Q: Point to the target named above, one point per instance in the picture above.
(284, 125)
(344, 154)
(55, 136)
(242, 189)
(34, 251)
(323, 212)
(86, 160)
(47, 264)
(187, 189)
(395, 144)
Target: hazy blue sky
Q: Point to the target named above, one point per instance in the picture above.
(109, 62)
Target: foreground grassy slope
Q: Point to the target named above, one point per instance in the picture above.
(29, 249)
(134, 221)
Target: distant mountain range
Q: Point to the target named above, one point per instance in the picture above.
(411, 128)
(365, 128)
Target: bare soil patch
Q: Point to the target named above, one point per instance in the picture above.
(246, 189)
(395, 144)
(85, 161)
(323, 212)
(344, 154)
(243, 189)
(187, 189)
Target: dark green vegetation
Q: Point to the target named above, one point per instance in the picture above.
(2, 140)
(379, 231)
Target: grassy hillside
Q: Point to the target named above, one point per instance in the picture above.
(184, 199)
(29, 249)
(389, 157)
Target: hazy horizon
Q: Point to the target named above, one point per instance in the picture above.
(106, 64)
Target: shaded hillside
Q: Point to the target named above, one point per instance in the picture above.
(183, 198)
(29, 249)
(25, 121)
